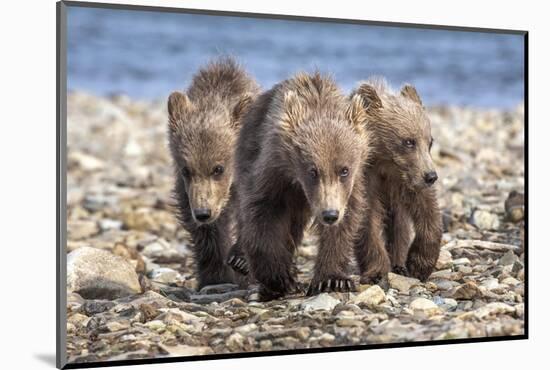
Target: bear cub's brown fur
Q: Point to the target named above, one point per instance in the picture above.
(399, 180)
(299, 156)
(202, 131)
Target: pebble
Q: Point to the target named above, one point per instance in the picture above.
(401, 283)
(235, 341)
(494, 308)
(266, 345)
(110, 224)
(445, 260)
(461, 261)
(163, 275)
(467, 290)
(246, 329)
(372, 296)
(509, 258)
(98, 274)
(490, 283)
(485, 220)
(321, 301)
(185, 350)
(514, 206)
(425, 305)
(155, 325)
(326, 339)
(80, 229)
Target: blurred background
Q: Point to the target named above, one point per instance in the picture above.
(147, 55)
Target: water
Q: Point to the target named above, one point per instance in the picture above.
(149, 54)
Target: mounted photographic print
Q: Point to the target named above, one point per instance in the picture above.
(234, 184)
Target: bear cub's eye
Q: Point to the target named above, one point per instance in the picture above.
(409, 143)
(218, 170)
(344, 172)
(313, 173)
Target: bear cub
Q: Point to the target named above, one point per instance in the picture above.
(202, 132)
(299, 157)
(399, 179)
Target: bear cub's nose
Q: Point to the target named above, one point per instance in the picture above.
(330, 216)
(202, 214)
(430, 177)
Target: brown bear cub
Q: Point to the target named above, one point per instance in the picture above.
(299, 156)
(399, 179)
(203, 128)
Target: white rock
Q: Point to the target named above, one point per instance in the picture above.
(155, 325)
(109, 224)
(485, 220)
(235, 341)
(424, 305)
(85, 161)
(372, 296)
(96, 274)
(490, 283)
(246, 329)
(461, 261)
(510, 281)
(164, 275)
(185, 350)
(494, 308)
(322, 301)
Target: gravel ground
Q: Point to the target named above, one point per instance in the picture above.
(131, 265)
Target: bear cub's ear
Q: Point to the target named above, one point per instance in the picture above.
(410, 92)
(356, 112)
(178, 105)
(293, 110)
(370, 97)
(240, 109)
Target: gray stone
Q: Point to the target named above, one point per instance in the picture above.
(467, 290)
(509, 258)
(98, 274)
(218, 288)
(445, 260)
(401, 283)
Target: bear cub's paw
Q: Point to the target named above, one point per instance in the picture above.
(419, 267)
(375, 274)
(238, 263)
(330, 284)
(400, 270)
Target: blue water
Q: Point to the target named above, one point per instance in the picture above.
(149, 54)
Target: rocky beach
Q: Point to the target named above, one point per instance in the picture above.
(131, 291)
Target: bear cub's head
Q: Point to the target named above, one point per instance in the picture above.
(324, 138)
(202, 140)
(401, 133)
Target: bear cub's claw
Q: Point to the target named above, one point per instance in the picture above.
(239, 264)
(330, 285)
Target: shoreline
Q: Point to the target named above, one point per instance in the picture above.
(119, 185)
